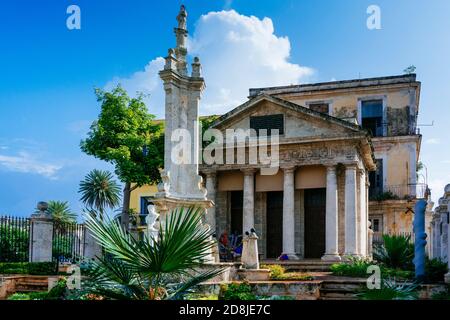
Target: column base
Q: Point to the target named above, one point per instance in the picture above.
(331, 257)
(291, 256)
(447, 278)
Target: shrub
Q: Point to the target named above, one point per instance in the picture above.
(31, 268)
(390, 290)
(396, 252)
(356, 267)
(275, 270)
(435, 269)
(237, 291)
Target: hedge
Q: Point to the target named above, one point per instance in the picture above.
(31, 268)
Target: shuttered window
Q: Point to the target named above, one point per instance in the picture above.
(269, 122)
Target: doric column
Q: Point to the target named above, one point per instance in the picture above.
(350, 210)
(249, 200)
(211, 179)
(288, 213)
(331, 217)
(362, 228)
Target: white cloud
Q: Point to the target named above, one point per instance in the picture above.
(26, 163)
(432, 141)
(237, 52)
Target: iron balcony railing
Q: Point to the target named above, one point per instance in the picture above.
(409, 191)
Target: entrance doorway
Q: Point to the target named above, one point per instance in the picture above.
(274, 223)
(236, 208)
(315, 206)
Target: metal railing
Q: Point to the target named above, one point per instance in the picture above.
(409, 191)
(14, 239)
(378, 236)
(68, 242)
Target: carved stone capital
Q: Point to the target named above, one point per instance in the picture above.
(249, 171)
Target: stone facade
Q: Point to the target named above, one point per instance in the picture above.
(440, 230)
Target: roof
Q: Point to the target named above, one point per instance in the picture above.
(337, 85)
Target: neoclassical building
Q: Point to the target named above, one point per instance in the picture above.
(348, 154)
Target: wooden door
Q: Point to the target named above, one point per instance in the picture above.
(274, 224)
(236, 207)
(315, 205)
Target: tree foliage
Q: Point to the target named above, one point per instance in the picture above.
(123, 131)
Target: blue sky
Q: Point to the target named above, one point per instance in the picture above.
(48, 72)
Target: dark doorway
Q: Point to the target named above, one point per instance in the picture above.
(274, 229)
(236, 207)
(315, 202)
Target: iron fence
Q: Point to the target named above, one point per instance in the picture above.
(68, 242)
(14, 239)
(399, 192)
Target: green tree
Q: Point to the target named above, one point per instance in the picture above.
(154, 268)
(126, 136)
(99, 191)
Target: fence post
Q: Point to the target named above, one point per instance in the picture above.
(41, 239)
(92, 249)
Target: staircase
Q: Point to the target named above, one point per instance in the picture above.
(341, 289)
(31, 284)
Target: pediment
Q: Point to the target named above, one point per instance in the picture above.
(299, 122)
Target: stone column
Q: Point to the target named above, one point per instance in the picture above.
(362, 228)
(210, 218)
(289, 213)
(92, 249)
(350, 211)
(444, 236)
(331, 218)
(41, 240)
(249, 200)
(447, 275)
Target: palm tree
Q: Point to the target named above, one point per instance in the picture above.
(161, 268)
(99, 191)
(61, 213)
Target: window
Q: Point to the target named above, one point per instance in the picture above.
(269, 122)
(376, 180)
(372, 116)
(144, 210)
(320, 107)
(375, 224)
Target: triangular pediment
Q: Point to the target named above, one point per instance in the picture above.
(299, 122)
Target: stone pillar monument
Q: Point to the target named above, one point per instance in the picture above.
(42, 235)
(420, 239)
(181, 186)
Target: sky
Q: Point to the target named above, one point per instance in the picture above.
(48, 72)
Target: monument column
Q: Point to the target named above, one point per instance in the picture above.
(249, 200)
(350, 210)
(331, 217)
(288, 213)
(211, 181)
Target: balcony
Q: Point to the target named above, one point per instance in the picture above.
(410, 191)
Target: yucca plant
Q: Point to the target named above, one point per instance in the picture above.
(391, 290)
(154, 268)
(396, 252)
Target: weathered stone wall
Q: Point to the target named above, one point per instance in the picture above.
(398, 121)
